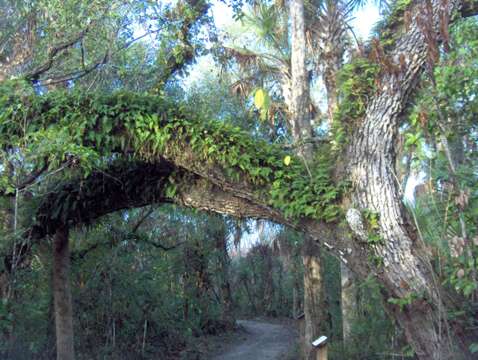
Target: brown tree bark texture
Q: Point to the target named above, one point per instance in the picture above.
(62, 296)
(314, 299)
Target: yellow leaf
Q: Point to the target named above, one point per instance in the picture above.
(259, 98)
(287, 160)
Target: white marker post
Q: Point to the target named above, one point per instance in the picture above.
(320, 346)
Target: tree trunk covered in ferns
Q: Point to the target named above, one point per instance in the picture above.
(330, 28)
(333, 49)
(62, 296)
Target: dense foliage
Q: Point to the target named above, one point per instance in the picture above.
(97, 100)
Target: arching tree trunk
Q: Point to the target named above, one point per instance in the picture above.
(398, 260)
(403, 269)
(62, 296)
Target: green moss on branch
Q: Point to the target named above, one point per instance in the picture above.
(95, 127)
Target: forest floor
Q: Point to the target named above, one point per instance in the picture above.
(259, 339)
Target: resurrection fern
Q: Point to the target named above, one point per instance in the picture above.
(95, 127)
(356, 84)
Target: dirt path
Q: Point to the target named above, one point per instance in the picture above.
(260, 341)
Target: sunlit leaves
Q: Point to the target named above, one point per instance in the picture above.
(262, 102)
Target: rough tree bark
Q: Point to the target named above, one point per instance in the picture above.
(299, 119)
(332, 41)
(406, 272)
(62, 296)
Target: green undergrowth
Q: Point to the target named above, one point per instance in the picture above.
(94, 127)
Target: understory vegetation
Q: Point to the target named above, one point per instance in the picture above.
(163, 175)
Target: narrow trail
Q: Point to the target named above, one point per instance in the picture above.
(263, 341)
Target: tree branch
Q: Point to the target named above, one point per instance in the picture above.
(52, 53)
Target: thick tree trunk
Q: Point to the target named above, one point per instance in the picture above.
(314, 310)
(404, 268)
(62, 296)
(405, 271)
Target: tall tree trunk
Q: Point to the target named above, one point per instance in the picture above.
(349, 300)
(314, 300)
(299, 118)
(301, 129)
(405, 271)
(62, 296)
(333, 41)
